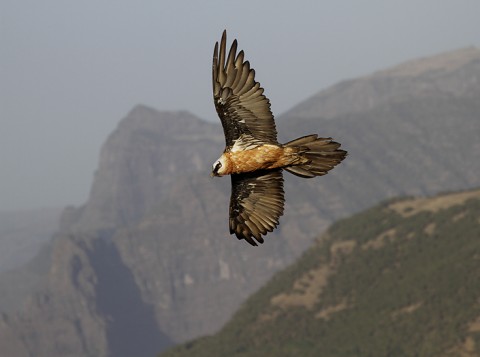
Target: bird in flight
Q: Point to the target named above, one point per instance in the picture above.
(253, 157)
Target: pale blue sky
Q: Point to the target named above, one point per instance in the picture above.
(70, 70)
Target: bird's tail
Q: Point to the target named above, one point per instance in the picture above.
(320, 155)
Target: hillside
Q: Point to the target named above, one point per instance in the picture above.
(400, 279)
(153, 235)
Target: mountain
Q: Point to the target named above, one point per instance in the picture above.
(150, 249)
(451, 73)
(400, 279)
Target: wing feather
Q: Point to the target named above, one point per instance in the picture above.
(256, 204)
(239, 100)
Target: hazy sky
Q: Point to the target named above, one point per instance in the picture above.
(70, 70)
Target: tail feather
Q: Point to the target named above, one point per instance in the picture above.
(297, 170)
(320, 155)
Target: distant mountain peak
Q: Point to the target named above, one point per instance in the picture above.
(447, 62)
(148, 150)
(452, 73)
(143, 115)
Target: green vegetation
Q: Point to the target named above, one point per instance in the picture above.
(389, 281)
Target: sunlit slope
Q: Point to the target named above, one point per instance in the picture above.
(400, 279)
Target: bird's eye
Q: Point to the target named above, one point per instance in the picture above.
(216, 166)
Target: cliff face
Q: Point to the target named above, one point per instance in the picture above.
(141, 160)
(91, 307)
(150, 250)
(64, 313)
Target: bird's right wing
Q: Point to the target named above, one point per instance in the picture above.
(256, 204)
(243, 109)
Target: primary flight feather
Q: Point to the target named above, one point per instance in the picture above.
(253, 157)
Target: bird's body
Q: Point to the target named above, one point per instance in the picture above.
(252, 156)
(263, 157)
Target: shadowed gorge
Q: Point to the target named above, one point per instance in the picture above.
(131, 326)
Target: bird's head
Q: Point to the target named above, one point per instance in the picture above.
(219, 167)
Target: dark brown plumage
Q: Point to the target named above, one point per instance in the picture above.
(252, 155)
(256, 203)
(243, 109)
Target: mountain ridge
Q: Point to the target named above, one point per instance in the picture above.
(445, 72)
(397, 279)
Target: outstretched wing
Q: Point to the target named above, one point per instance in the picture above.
(243, 109)
(256, 204)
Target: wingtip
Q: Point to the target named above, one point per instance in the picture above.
(224, 36)
(215, 51)
(251, 241)
(253, 238)
(247, 236)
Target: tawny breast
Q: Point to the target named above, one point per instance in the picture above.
(260, 158)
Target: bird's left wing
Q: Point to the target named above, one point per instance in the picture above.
(243, 109)
(256, 204)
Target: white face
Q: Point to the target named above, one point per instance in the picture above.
(218, 168)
